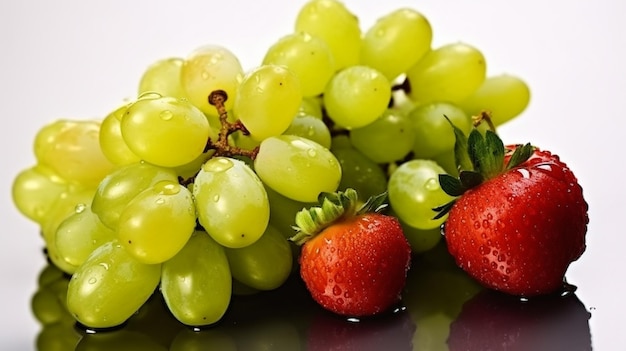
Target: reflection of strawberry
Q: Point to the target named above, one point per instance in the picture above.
(353, 262)
(393, 331)
(521, 218)
(496, 321)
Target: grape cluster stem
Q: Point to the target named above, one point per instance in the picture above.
(221, 146)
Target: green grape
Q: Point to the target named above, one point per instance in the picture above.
(357, 96)
(311, 106)
(360, 173)
(241, 140)
(71, 149)
(449, 73)
(311, 128)
(79, 234)
(207, 69)
(118, 340)
(35, 190)
(112, 143)
(434, 134)
(421, 240)
(241, 289)
(283, 212)
(414, 191)
(389, 138)
(263, 265)
(190, 169)
(505, 96)
(205, 340)
(340, 141)
(297, 168)
(447, 161)
(165, 131)
(118, 188)
(110, 286)
(163, 77)
(63, 207)
(331, 21)
(396, 42)
(157, 222)
(267, 101)
(226, 191)
(308, 57)
(197, 283)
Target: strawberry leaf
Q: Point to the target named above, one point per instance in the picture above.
(375, 203)
(486, 153)
(443, 209)
(451, 185)
(461, 154)
(521, 154)
(469, 179)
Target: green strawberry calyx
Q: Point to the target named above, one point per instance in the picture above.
(333, 208)
(479, 157)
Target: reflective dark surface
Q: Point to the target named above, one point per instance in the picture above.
(442, 309)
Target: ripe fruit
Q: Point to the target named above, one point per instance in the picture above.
(521, 218)
(353, 262)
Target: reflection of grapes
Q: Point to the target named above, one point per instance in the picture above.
(186, 194)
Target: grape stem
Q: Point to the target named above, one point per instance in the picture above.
(484, 116)
(221, 146)
(217, 98)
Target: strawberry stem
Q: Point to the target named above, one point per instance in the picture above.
(333, 208)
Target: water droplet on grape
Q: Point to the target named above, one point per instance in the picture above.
(205, 75)
(166, 115)
(160, 201)
(92, 280)
(104, 265)
(216, 197)
(80, 208)
(149, 95)
(311, 152)
(167, 187)
(220, 164)
(431, 184)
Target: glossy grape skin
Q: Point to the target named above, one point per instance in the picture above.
(356, 96)
(389, 138)
(433, 133)
(505, 96)
(268, 99)
(163, 77)
(360, 173)
(449, 73)
(331, 21)
(209, 68)
(226, 190)
(297, 168)
(263, 265)
(157, 222)
(310, 127)
(110, 286)
(112, 143)
(396, 42)
(71, 149)
(63, 207)
(165, 131)
(197, 283)
(80, 234)
(119, 187)
(308, 57)
(35, 190)
(414, 192)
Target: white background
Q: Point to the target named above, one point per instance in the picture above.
(79, 59)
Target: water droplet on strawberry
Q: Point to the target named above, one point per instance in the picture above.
(337, 290)
(524, 172)
(484, 250)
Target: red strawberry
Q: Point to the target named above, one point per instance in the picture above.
(353, 262)
(521, 218)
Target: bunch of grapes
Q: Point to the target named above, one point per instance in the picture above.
(191, 189)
